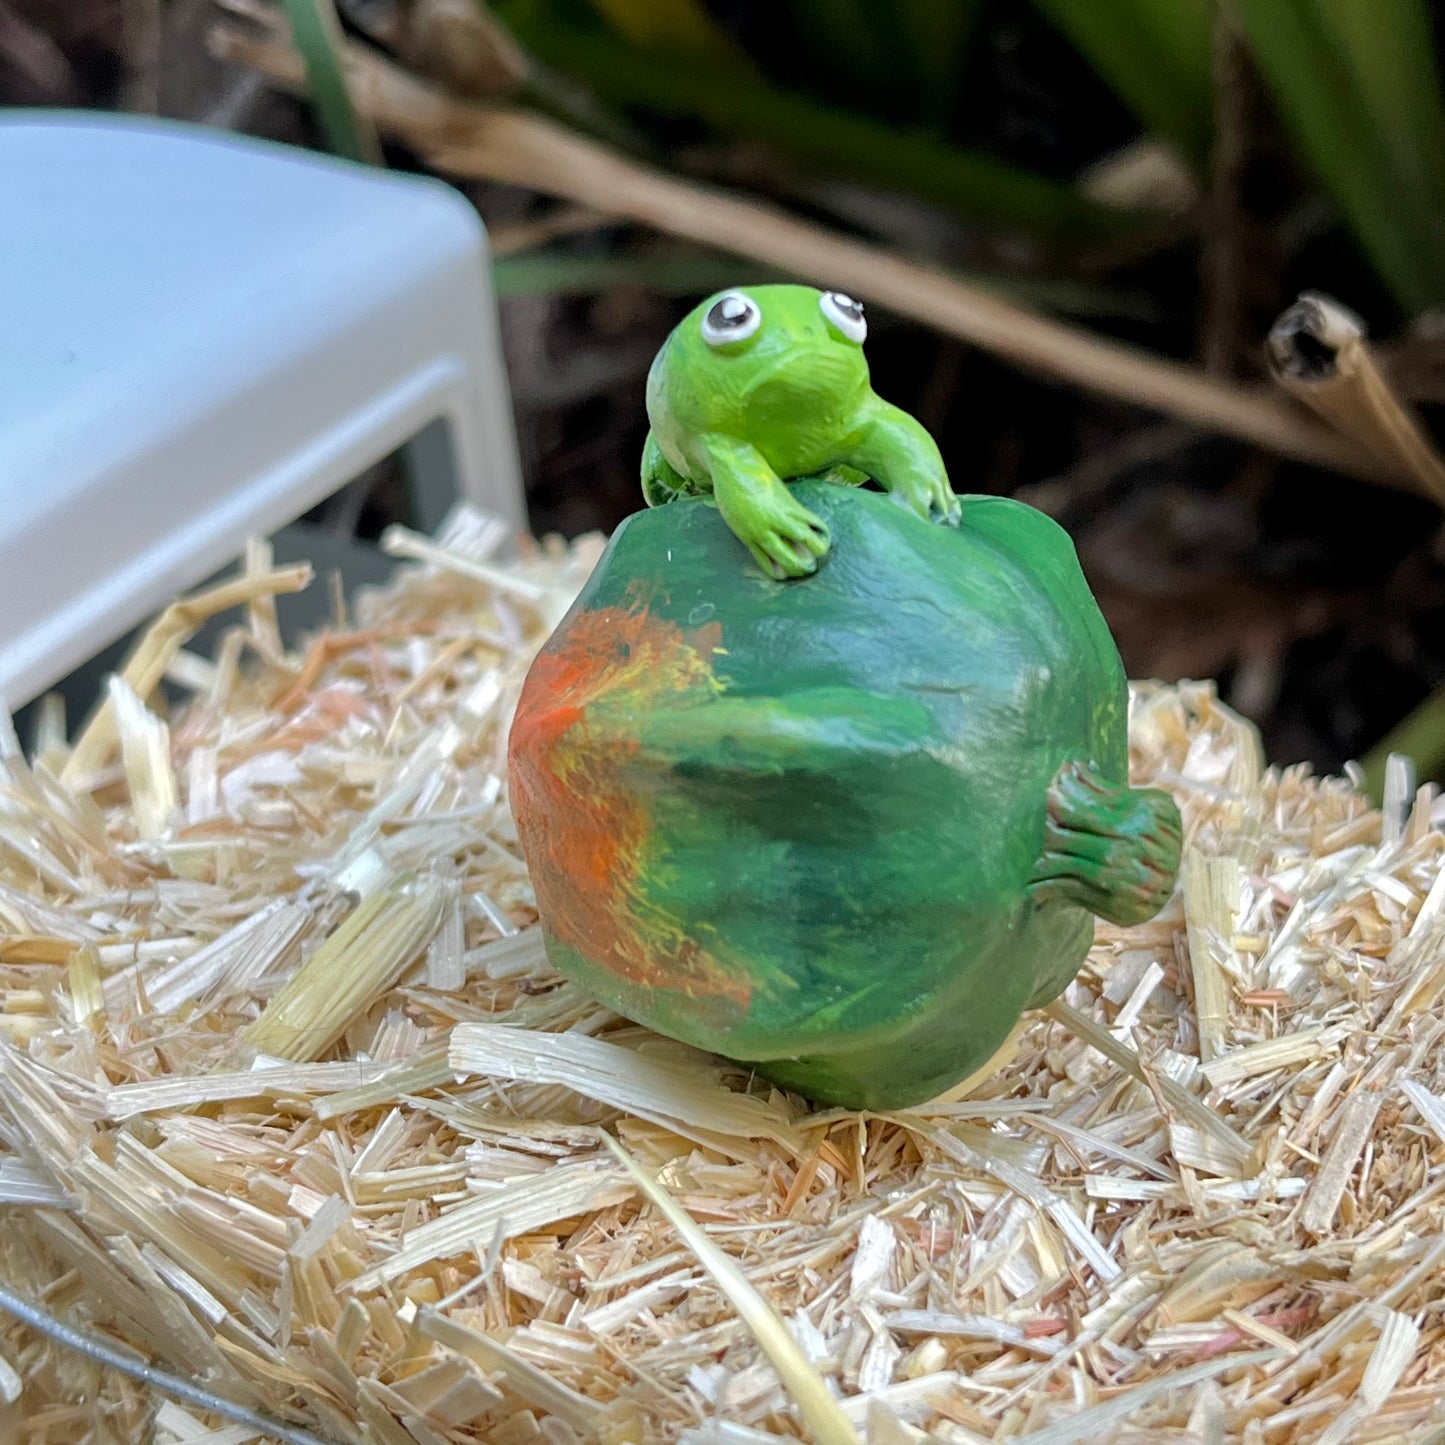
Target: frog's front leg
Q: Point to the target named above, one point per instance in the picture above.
(785, 538)
(898, 453)
(661, 481)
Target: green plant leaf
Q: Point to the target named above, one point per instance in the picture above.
(1357, 85)
(848, 39)
(739, 107)
(1391, 51)
(685, 271)
(936, 34)
(681, 26)
(317, 34)
(899, 58)
(1420, 736)
(682, 273)
(1155, 55)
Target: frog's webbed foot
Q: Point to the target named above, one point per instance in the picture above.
(785, 538)
(1110, 848)
(793, 543)
(661, 481)
(897, 451)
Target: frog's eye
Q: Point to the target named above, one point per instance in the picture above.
(846, 314)
(733, 317)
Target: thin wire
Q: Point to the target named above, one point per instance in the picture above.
(82, 1343)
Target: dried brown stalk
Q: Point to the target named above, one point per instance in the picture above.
(508, 145)
(1319, 353)
(523, 236)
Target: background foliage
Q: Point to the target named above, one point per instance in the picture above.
(1170, 173)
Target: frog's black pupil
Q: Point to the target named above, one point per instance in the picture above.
(729, 312)
(847, 305)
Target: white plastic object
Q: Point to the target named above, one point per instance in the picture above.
(200, 338)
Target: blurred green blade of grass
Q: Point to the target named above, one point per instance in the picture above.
(686, 271)
(936, 33)
(317, 33)
(1420, 736)
(895, 57)
(683, 26)
(1357, 85)
(849, 39)
(1156, 57)
(1391, 50)
(741, 108)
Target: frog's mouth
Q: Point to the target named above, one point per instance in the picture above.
(831, 374)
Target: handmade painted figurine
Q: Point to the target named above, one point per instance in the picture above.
(762, 386)
(846, 828)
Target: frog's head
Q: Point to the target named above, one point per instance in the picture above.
(792, 345)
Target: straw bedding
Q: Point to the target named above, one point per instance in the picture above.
(291, 1103)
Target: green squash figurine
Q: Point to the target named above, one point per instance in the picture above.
(843, 828)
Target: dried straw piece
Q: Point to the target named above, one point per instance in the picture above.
(145, 750)
(1397, 802)
(233, 962)
(683, 1094)
(1317, 1211)
(1025, 1186)
(532, 1384)
(271, 1081)
(351, 970)
(1432, 1109)
(82, 974)
(830, 1426)
(158, 648)
(1211, 911)
(1319, 354)
(11, 1384)
(1240, 1157)
(1393, 1354)
(1101, 1421)
(427, 1071)
(1269, 1055)
(519, 1208)
(402, 542)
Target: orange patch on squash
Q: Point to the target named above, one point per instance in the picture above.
(587, 832)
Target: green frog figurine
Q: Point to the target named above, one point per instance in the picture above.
(843, 827)
(764, 385)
